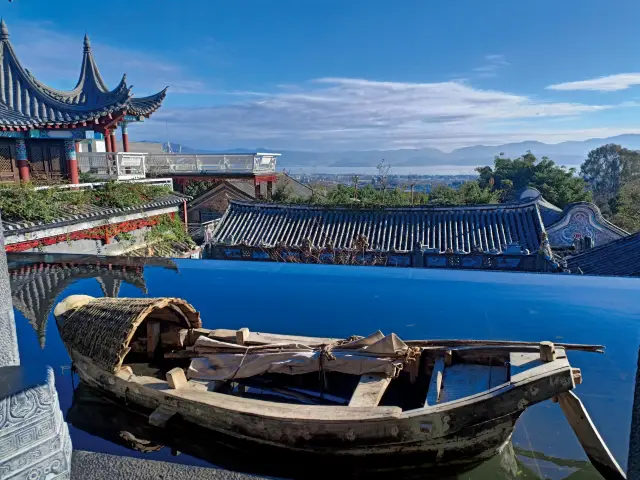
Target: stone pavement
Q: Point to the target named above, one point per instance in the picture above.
(101, 466)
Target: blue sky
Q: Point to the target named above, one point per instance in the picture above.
(352, 74)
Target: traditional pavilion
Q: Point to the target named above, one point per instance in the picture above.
(41, 127)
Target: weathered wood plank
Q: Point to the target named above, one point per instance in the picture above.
(547, 351)
(589, 438)
(174, 338)
(176, 378)
(160, 416)
(435, 384)
(499, 343)
(257, 338)
(153, 337)
(242, 336)
(520, 362)
(369, 391)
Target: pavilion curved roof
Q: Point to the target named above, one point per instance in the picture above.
(25, 102)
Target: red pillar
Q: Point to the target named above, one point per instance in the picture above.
(184, 209)
(114, 143)
(70, 148)
(107, 141)
(22, 160)
(125, 137)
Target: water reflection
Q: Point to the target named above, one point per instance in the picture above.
(35, 285)
(127, 426)
(341, 301)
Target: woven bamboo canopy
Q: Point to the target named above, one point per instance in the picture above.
(101, 328)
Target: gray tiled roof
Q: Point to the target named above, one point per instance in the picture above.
(88, 213)
(27, 102)
(461, 229)
(619, 258)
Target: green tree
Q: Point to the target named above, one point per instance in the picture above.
(606, 169)
(198, 187)
(628, 207)
(557, 184)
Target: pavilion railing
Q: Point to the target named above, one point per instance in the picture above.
(172, 163)
(113, 166)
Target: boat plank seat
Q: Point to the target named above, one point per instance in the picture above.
(435, 384)
(464, 380)
(369, 391)
(521, 362)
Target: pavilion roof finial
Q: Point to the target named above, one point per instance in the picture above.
(87, 43)
(4, 31)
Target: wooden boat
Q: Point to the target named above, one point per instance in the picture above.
(440, 402)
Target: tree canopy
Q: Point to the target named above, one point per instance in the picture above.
(606, 170)
(557, 184)
(627, 207)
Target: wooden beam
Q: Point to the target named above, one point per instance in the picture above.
(435, 386)
(176, 378)
(369, 391)
(588, 436)
(547, 351)
(242, 336)
(160, 416)
(153, 337)
(258, 338)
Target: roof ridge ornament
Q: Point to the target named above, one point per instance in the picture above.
(87, 43)
(4, 31)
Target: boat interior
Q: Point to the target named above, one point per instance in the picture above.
(163, 349)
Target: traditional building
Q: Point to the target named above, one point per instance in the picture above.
(530, 234)
(617, 258)
(500, 237)
(577, 221)
(41, 127)
(91, 229)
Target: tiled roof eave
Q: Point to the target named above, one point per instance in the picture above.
(23, 227)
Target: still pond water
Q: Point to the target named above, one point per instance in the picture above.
(334, 301)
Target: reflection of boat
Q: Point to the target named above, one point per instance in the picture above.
(432, 403)
(93, 412)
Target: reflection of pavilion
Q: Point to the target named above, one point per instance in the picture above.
(35, 287)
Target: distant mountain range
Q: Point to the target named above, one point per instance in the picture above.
(565, 153)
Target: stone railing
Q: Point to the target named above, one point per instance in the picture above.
(113, 166)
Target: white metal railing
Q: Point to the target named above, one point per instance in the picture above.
(118, 165)
(171, 163)
(161, 182)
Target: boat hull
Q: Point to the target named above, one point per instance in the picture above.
(399, 438)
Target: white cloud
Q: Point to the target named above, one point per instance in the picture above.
(611, 83)
(323, 114)
(493, 63)
(329, 113)
(60, 66)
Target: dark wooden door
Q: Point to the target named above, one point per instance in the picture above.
(8, 166)
(47, 160)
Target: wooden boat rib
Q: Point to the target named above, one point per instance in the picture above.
(448, 404)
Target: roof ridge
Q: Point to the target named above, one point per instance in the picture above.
(628, 238)
(485, 206)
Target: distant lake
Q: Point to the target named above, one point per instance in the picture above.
(423, 170)
(338, 301)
